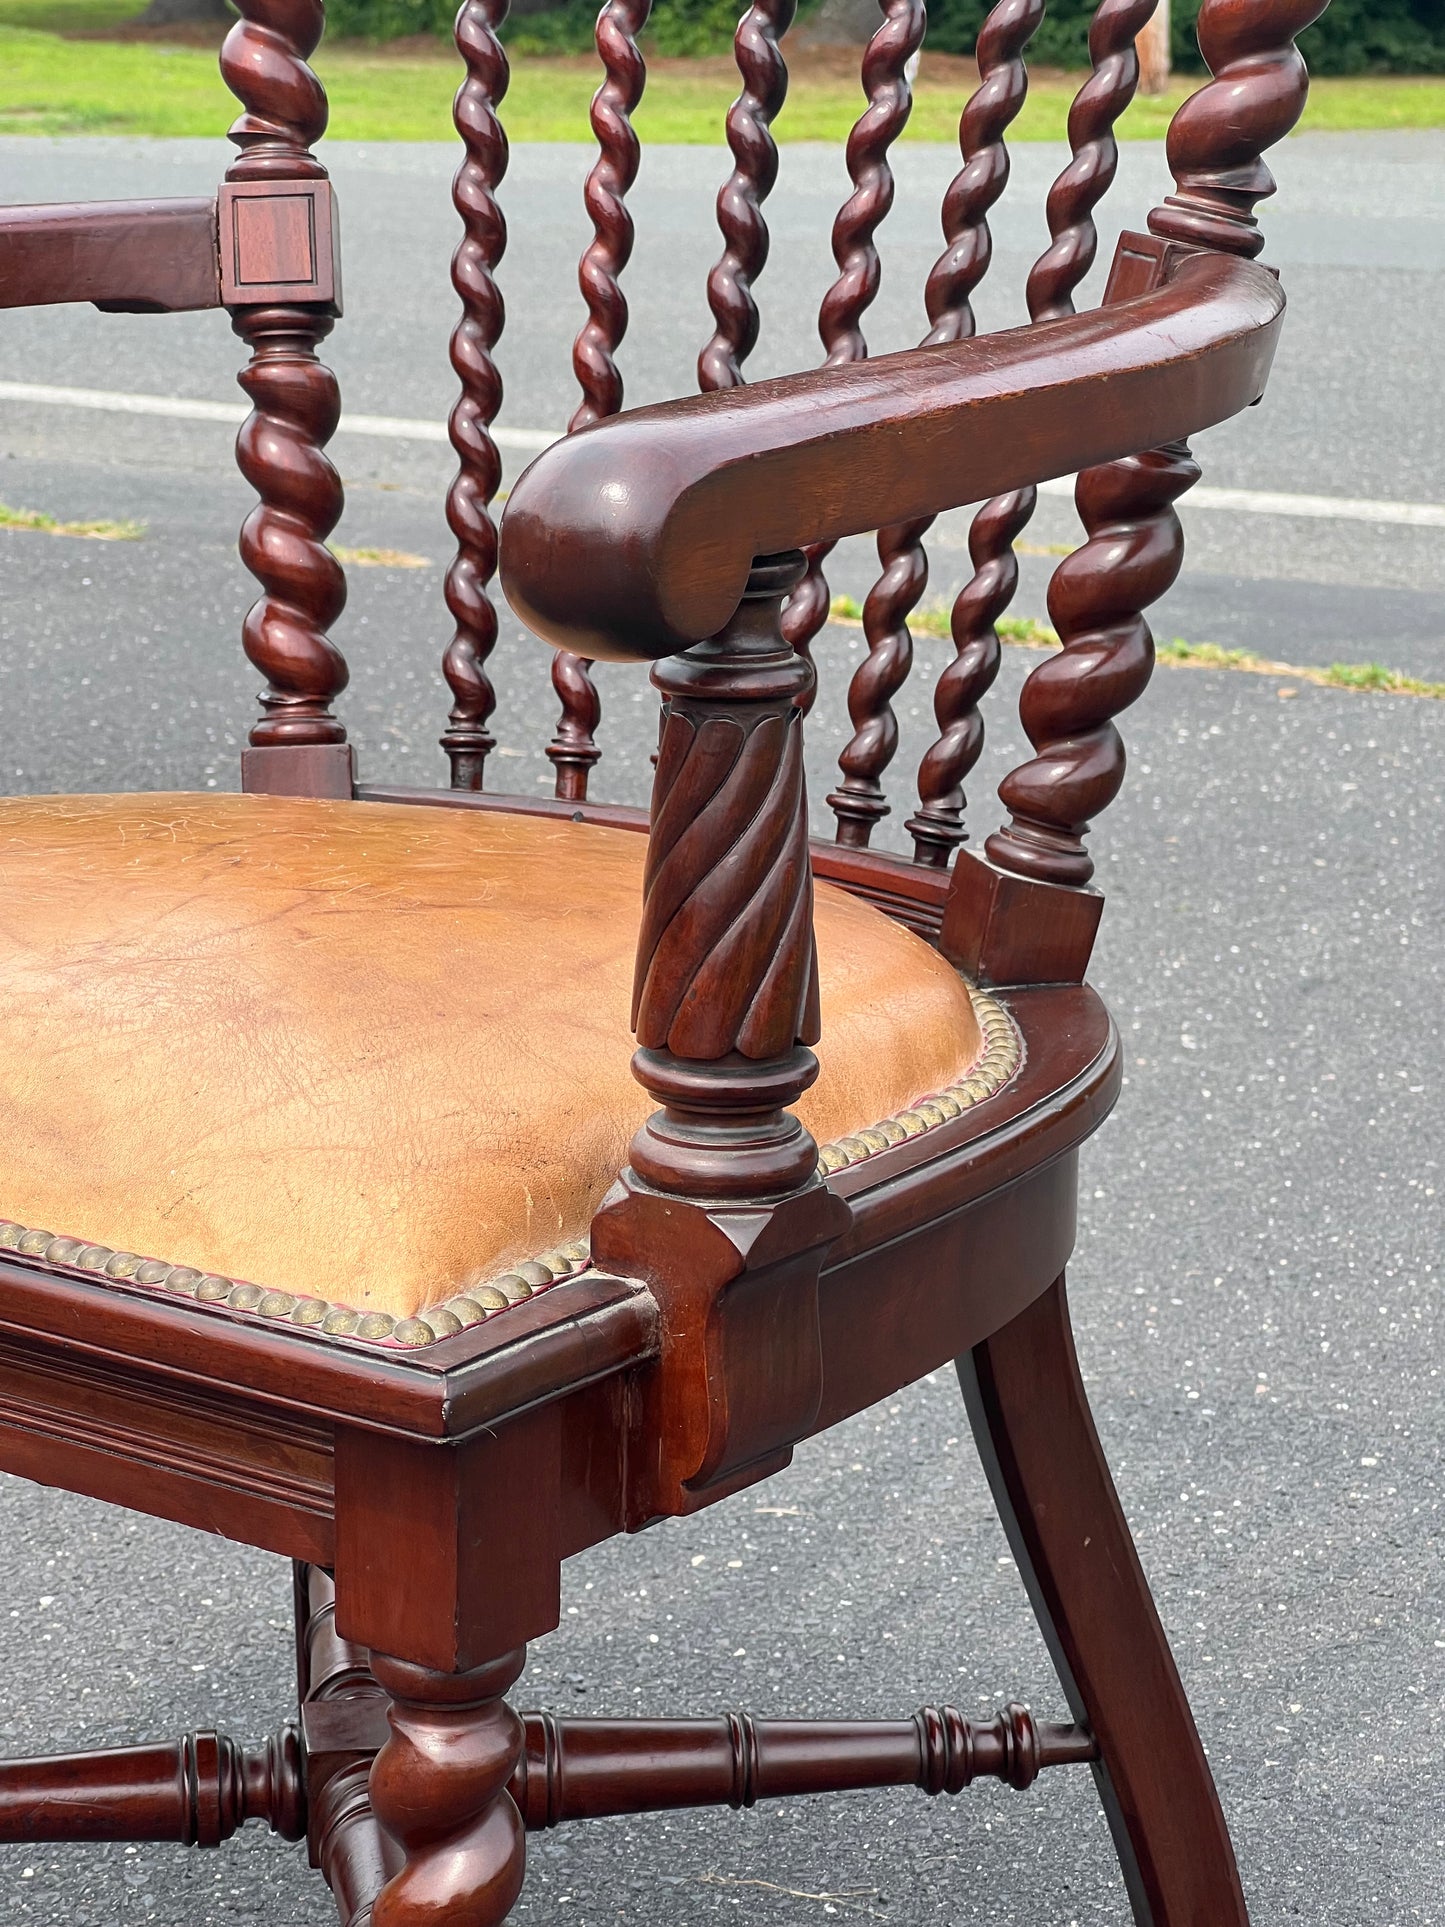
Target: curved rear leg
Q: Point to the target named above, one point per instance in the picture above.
(1052, 1486)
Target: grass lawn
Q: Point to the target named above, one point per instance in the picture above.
(54, 83)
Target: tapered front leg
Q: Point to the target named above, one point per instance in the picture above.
(439, 1786)
(1057, 1501)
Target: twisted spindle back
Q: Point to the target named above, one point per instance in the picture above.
(1053, 281)
(468, 742)
(885, 81)
(1134, 544)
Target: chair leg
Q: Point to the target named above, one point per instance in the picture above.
(1052, 1486)
(439, 1786)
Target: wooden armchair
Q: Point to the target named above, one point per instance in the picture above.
(334, 1218)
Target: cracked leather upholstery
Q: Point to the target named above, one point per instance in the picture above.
(363, 1051)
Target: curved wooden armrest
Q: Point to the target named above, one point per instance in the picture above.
(632, 539)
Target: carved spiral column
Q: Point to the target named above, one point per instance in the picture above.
(740, 199)
(937, 828)
(1133, 553)
(573, 749)
(468, 741)
(295, 401)
(726, 991)
(890, 101)
(439, 1787)
(1135, 545)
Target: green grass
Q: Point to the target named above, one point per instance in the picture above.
(37, 522)
(53, 85)
(934, 621)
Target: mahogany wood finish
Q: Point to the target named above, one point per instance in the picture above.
(634, 538)
(573, 750)
(468, 741)
(1031, 1419)
(937, 827)
(740, 199)
(198, 1791)
(890, 100)
(997, 526)
(298, 747)
(739, 1301)
(138, 257)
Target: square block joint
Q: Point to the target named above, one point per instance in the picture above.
(279, 242)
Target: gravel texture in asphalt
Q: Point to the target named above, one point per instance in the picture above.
(1256, 1289)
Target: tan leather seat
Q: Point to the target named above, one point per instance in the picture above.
(363, 1054)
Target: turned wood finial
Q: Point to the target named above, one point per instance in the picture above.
(279, 282)
(726, 994)
(468, 741)
(1218, 137)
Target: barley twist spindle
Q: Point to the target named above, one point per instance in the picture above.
(859, 802)
(294, 398)
(937, 828)
(1135, 544)
(439, 1787)
(1132, 555)
(573, 750)
(890, 100)
(1094, 157)
(1218, 137)
(467, 740)
(740, 199)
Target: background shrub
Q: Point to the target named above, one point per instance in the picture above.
(1355, 36)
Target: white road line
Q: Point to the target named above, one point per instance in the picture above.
(1328, 508)
(111, 401)
(1246, 501)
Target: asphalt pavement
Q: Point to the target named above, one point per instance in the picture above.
(1257, 1281)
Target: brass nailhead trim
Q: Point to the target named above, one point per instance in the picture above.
(996, 1064)
(986, 1077)
(468, 1308)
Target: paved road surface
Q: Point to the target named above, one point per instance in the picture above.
(1257, 1285)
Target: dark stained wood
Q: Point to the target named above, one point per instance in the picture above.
(134, 257)
(279, 242)
(740, 200)
(573, 750)
(1004, 929)
(1134, 552)
(198, 1792)
(1073, 1548)
(1052, 282)
(441, 1514)
(588, 1769)
(468, 741)
(740, 1303)
(720, 1207)
(295, 401)
(633, 539)
(1218, 138)
(439, 1787)
(889, 96)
